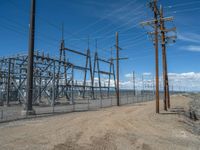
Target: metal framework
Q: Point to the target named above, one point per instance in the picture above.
(106, 88)
(69, 76)
(53, 78)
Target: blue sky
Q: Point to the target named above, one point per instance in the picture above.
(100, 19)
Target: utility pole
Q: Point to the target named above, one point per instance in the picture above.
(117, 67)
(167, 82)
(155, 24)
(155, 9)
(164, 53)
(163, 56)
(158, 23)
(29, 109)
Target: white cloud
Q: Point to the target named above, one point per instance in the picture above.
(143, 80)
(178, 81)
(147, 74)
(192, 48)
(189, 81)
(185, 76)
(130, 75)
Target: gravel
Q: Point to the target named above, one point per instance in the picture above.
(194, 109)
(194, 114)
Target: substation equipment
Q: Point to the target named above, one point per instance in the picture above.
(54, 79)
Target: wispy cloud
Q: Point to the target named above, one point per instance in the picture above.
(189, 37)
(192, 48)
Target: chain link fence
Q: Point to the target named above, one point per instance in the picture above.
(14, 110)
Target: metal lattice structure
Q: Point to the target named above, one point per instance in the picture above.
(54, 80)
(85, 68)
(106, 88)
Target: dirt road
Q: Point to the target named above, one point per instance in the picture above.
(118, 128)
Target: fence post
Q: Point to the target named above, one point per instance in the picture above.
(101, 102)
(88, 104)
(127, 97)
(1, 114)
(111, 101)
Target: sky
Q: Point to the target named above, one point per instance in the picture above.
(98, 20)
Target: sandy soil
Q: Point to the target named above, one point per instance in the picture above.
(125, 128)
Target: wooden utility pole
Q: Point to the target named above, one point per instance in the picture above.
(155, 24)
(155, 9)
(117, 67)
(163, 56)
(29, 109)
(159, 23)
(164, 52)
(167, 84)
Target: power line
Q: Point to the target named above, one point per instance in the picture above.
(182, 4)
(137, 38)
(48, 22)
(43, 20)
(22, 32)
(173, 54)
(118, 27)
(123, 16)
(134, 40)
(185, 10)
(113, 12)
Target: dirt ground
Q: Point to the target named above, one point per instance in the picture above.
(131, 127)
